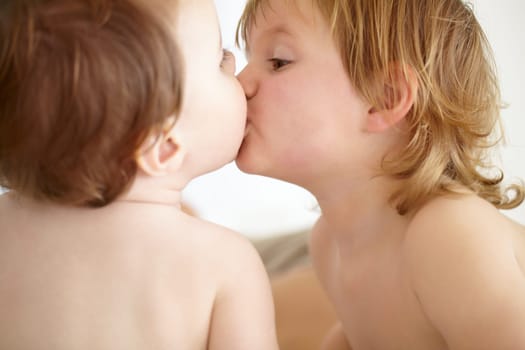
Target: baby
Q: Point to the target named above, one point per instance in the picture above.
(385, 110)
(108, 108)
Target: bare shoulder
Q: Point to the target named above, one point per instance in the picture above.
(234, 253)
(463, 260)
(228, 253)
(458, 227)
(244, 300)
(224, 243)
(459, 220)
(172, 226)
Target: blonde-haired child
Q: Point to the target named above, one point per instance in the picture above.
(386, 111)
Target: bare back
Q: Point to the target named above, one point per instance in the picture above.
(380, 291)
(129, 276)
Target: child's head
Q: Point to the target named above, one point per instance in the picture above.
(210, 128)
(82, 85)
(433, 49)
(91, 89)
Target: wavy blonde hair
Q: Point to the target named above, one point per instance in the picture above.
(455, 119)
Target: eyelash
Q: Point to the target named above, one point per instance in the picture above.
(278, 63)
(226, 56)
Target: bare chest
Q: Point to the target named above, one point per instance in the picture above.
(375, 303)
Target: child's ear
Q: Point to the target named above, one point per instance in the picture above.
(161, 154)
(399, 97)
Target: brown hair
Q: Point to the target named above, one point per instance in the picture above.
(455, 118)
(82, 84)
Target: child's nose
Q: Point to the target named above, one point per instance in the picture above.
(248, 82)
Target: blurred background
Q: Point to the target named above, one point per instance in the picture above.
(261, 207)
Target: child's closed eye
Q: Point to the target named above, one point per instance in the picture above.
(278, 63)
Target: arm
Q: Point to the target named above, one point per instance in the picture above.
(466, 276)
(335, 339)
(243, 315)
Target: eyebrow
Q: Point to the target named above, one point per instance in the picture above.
(275, 30)
(279, 29)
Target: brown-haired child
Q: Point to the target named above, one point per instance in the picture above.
(108, 108)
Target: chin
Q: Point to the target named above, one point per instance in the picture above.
(254, 166)
(244, 166)
(251, 160)
(249, 163)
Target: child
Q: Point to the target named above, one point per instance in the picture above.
(385, 111)
(108, 108)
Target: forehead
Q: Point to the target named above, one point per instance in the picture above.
(269, 17)
(303, 10)
(196, 20)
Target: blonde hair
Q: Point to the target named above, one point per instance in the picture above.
(455, 118)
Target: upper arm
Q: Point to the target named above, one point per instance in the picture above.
(466, 277)
(243, 313)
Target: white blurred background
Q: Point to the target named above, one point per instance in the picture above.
(260, 207)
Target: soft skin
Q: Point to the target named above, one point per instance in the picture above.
(447, 276)
(139, 273)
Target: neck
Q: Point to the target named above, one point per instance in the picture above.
(153, 190)
(357, 213)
